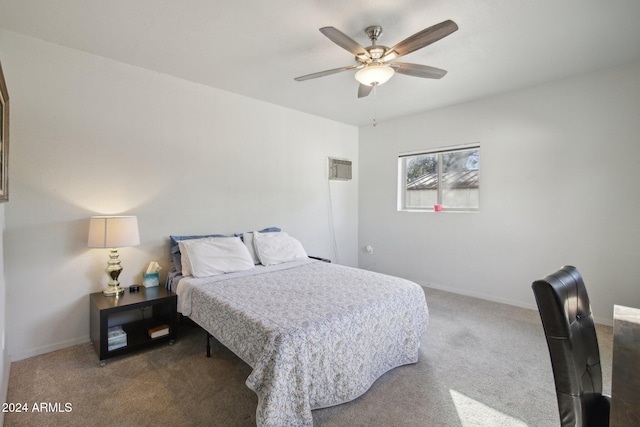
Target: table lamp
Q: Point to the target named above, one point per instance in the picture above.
(113, 232)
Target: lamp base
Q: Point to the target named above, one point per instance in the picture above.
(113, 271)
(113, 291)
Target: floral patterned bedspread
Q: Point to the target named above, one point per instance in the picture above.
(316, 335)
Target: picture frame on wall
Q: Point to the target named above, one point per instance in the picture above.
(4, 139)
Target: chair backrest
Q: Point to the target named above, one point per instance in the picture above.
(568, 324)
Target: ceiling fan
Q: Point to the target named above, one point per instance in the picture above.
(376, 64)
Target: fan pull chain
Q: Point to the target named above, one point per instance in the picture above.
(375, 105)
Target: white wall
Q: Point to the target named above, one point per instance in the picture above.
(5, 362)
(93, 136)
(558, 185)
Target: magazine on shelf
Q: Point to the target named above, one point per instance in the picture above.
(116, 337)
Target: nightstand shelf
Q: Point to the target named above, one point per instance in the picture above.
(157, 306)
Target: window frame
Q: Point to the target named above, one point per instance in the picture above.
(402, 178)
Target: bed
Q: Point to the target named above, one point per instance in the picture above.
(315, 334)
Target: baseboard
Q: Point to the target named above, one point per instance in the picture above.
(599, 320)
(478, 295)
(49, 348)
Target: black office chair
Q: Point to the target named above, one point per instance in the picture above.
(568, 324)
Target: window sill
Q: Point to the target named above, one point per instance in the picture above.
(439, 212)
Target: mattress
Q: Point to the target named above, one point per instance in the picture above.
(315, 334)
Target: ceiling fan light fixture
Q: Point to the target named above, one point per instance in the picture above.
(374, 74)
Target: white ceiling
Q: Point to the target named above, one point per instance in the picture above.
(257, 47)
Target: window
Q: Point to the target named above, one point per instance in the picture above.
(448, 177)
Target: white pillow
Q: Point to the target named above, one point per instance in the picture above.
(184, 258)
(247, 238)
(276, 248)
(213, 256)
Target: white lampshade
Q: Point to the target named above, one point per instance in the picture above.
(113, 232)
(374, 74)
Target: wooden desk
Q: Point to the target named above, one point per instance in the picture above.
(625, 380)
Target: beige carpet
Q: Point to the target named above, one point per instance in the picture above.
(481, 364)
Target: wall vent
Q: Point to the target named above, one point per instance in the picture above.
(339, 169)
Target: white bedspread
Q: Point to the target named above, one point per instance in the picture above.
(315, 334)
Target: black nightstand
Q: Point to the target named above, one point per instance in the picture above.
(136, 313)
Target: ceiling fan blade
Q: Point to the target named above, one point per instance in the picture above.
(417, 70)
(325, 73)
(364, 90)
(421, 39)
(344, 41)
